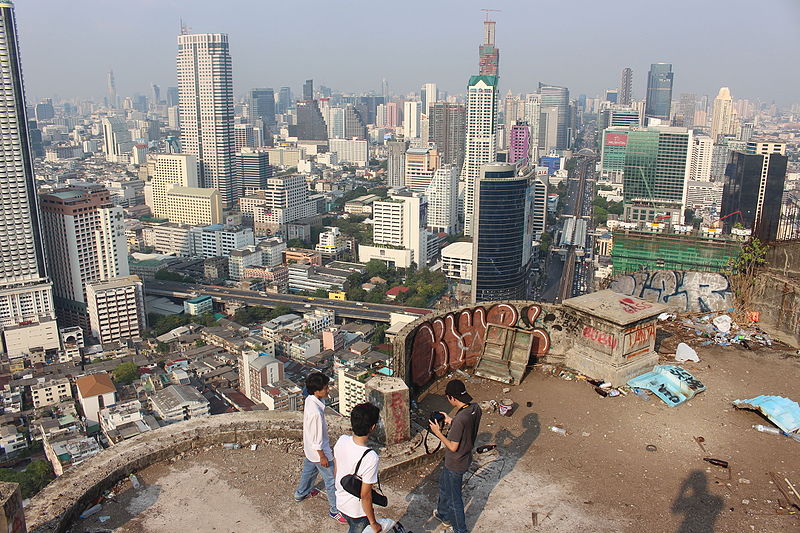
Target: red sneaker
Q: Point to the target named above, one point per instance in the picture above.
(338, 517)
(311, 494)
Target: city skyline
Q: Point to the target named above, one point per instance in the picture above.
(278, 58)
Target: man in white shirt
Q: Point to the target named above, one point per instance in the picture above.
(317, 446)
(349, 450)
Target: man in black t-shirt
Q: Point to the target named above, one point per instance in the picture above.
(458, 446)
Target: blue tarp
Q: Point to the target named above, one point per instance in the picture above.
(672, 384)
(783, 412)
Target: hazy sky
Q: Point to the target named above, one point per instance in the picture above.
(349, 45)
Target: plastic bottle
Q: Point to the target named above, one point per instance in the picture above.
(485, 448)
(556, 429)
(231, 445)
(91, 510)
(766, 429)
(135, 481)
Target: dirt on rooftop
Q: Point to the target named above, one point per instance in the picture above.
(626, 464)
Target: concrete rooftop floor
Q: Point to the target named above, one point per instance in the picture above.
(597, 478)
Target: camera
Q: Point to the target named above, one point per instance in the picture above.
(437, 417)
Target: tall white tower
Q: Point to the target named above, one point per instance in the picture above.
(205, 101)
(481, 140)
(429, 95)
(27, 317)
(722, 117)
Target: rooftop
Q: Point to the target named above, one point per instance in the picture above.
(95, 385)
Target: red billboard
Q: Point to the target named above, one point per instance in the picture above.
(616, 139)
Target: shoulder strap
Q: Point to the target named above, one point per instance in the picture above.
(358, 464)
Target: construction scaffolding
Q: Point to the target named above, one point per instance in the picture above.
(636, 249)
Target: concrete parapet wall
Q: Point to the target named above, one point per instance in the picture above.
(783, 259)
(55, 508)
(680, 291)
(777, 299)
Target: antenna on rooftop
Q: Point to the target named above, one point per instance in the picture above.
(488, 10)
(185, 30)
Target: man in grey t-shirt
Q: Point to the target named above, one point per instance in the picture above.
(458, 446)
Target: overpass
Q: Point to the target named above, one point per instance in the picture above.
(343, 308)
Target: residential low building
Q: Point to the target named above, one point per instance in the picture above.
(50, 392)
(11, 440)
(66, 449)
(95, 392)
(241, 259)
(282, 396)
(179, 402)
(125, 420)
(199, 306)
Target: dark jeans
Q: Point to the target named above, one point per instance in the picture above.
(451, 504)
(357, 525)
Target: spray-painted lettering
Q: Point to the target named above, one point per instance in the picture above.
(600, 337)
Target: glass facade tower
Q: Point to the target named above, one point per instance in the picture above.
(659, 91)
(503, 234)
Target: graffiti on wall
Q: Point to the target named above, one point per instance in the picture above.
(681, 291)
(638, 340)
(456, 339)
(602, 338)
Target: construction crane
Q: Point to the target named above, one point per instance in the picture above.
(720, 219)
(489, 10)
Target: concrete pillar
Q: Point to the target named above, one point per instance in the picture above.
(12, 519)
(391, 395)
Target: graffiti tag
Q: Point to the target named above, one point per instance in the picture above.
(600, 337)
(682, 291)
(631, 306)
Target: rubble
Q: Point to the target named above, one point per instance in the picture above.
(710, 328)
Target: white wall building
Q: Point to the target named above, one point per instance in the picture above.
(218, 239)
(457, 261)
(331, 242)
(399, 221)
(411, 116)
(243, 258)
(354, 151)
(205, 99)
(442, 194)
(194, 206)
(50, 392)
(481, 143)
(179, 402)
(702, 148)
(116, 309)
(170, 170)
(95, 392)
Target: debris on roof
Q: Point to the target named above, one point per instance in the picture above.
(783, 412)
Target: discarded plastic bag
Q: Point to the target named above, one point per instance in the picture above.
(684, 352)
(723, 323)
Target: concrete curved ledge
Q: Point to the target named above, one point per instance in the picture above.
(56, 507)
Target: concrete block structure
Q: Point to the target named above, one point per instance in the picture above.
(616, 336)
(391, 395)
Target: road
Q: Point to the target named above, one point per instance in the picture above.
(574, 274)
(343, 308)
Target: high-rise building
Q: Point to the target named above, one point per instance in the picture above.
(111, 90)
(308, 90)
(400, 221)
(702, 149)
(429, 94)
(626, 87)
(685, 112)
(84, 235)
(116, 309)
(156, 94)
(419, 168)
(262, 106)
(27, 316)
(657, 165)
(194, 206)
(205, 94)
(172, 96)
(553, 96)
(411, 112)
(244, 136)
(447, 124)
(618, 116)
(170, 170)
(395, 169)
(284, 99)
(481, 137)
(254, 169)
(488, 53)
(723, 121)
(502, 234)
(392, 115)
(117, 143)
(533, 115)
(519, 142)
(310, 125)
(659, 92)
(754, 183)
(353, 124)
(442, 194)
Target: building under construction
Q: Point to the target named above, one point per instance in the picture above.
(640, 249)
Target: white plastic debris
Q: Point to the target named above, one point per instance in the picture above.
(684, 352)
(665, 316)
(723, 323)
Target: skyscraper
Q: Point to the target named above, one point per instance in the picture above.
(116, 139)
(27, 316)
(489, 54)
(481, 138)
(395, 169)
(626, 87)
(659, 91)
(411, 112)
(262, 106)
(429, 94)
(308, 90)
(284, 99)
(754, 183)
(553, 96)
(254, 169)
(502, 237)
(722, 116)
(657, 163)
(447, 123)
(442, 193)
(111, 90)
(519, 142)
(85, 240)
(205, 94)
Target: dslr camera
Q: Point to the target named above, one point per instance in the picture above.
(437, 417)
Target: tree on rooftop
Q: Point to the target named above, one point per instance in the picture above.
(127, 373)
